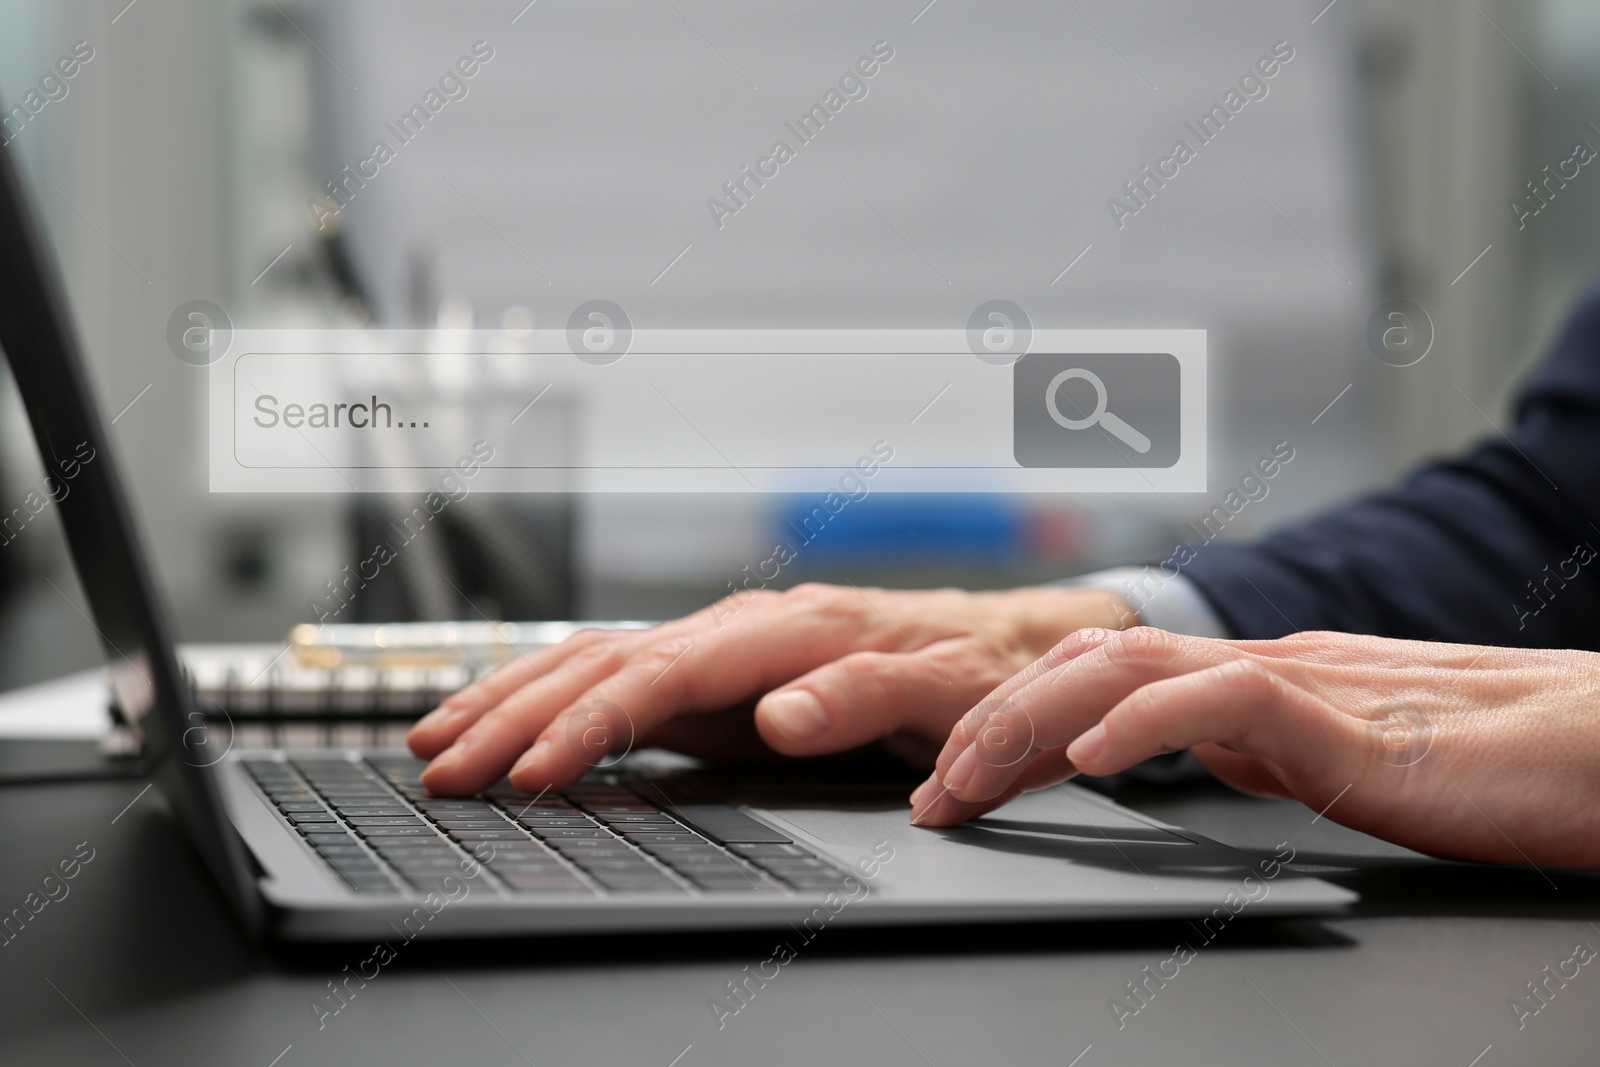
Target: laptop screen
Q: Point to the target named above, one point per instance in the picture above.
(38, 341)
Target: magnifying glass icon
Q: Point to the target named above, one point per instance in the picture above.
(1112, 425)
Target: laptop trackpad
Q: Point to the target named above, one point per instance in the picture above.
(1041, 819)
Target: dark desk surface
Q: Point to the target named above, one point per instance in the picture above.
(141, 964)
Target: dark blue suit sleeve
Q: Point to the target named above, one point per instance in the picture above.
(1497, 547)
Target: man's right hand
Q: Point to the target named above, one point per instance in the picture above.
(830, 668)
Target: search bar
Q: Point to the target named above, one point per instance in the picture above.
(707, 411)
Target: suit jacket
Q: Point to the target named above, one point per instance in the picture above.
(1500, 546)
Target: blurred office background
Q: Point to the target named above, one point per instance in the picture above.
(1383, 164)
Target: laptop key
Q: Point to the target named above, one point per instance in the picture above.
(693, 853)
(430, 876)
(410, 863)
(355, 865)
(728, 825)
(527, 864)
(534, 879)
(396, 831)
(592, 839)
(358, 868)
(417, 859)
(724, 881)
(427, 877)
(370, 883)
(349, 814)
(522, 811)
(550, 833)
(628, 883)
(532, 876)
(530, 860)
(663, 839)
(748, 849)
(791, 863)
(687, 859)
(263, 766)
(699, 866)
(522, 859)
(712, 881)
(584, 859)
(340, 849)
(568, 888)
(398, 855)
(814, 880)
(530, 804)
(566, 884)
(700, 862)
(430, 839)
(617, 864)
(599, 841)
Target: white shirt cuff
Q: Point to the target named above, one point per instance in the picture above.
(1172, 604)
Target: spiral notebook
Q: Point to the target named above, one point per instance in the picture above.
(353, 685)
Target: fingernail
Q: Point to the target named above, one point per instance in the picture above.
(960, 772)
(532, 757)
(1088, 744)
(796, 714)
(444, 762)
(436, 716)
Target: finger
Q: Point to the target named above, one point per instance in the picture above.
(435, 731)
(1051, 711)
(493, 740)
(1241, 706)
(1245, 773)
(483, 751)
(864, 696)
(933, 805)
(439, 728)
(966, 730)
(710, 670)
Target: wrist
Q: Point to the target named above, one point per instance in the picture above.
(1046, 614)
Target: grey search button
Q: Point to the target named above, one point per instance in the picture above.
(1096, 409)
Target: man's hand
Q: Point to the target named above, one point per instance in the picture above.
(1477, 753)
(831, 668)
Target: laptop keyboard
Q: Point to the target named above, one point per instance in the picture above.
(374, 823)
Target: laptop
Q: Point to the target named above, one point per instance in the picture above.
(320, 844)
